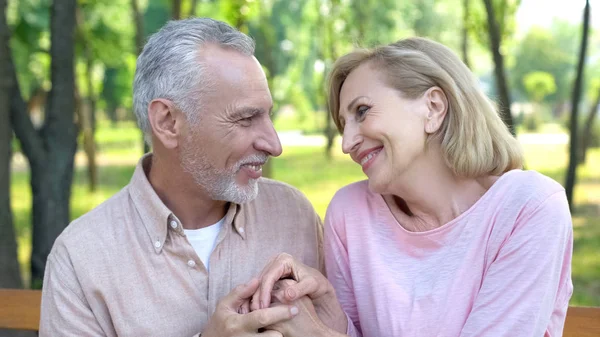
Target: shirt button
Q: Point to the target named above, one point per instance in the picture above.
(173, 224)
(157, 244)
(191, 263)
(241, 230)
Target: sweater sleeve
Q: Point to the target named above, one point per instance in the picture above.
(526, 290)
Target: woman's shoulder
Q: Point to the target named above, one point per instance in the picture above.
(354, 192)
(526, 188)
(355, 199)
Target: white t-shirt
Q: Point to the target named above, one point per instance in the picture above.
(203, 240)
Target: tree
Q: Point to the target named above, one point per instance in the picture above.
(50, 150)
(465, 33)
(550, 51)
(573, 148)
(86, 113)
(176, 9)
(588, 125)
(193, 8)
(501, 84)
(10, 277)
(139, 44)
(539, 84)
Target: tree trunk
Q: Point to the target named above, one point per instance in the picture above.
(587, 132)
(108, 93)
(87, 113)
(193, 9)
(51, 151)
(501, 84)
(176, 9)
(465, 34)
(330, 131)
(572, 170)
(139, 45)
(10, 277)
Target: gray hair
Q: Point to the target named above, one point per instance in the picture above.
(169, 67)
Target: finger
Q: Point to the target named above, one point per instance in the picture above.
(240, 294)
(269, 316)
(245, 308)
(254, 304)
(309, 286)
(277, 296)
(281, 267)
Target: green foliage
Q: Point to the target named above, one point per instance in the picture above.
(505, 11)
(539, 84)
(549, 51)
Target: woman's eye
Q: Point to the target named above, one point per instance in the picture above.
(361, 110)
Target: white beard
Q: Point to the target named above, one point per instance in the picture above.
(220, 184)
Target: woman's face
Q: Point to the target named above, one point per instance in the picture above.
(383, 131)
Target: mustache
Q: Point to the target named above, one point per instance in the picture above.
(255, 159)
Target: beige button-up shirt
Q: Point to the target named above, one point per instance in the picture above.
(127, 269)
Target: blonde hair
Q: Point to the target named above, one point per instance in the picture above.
(475, 141)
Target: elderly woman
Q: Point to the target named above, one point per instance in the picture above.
(448, 236)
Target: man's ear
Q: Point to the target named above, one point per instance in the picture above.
(164, 120)
(437, 102)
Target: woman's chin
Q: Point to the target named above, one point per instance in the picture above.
(376, 185)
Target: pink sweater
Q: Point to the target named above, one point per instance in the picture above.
(502, 268)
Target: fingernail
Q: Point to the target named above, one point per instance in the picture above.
(291, 294)
(294, 311)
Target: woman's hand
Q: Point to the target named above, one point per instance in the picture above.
(305, 323)
(309, 282)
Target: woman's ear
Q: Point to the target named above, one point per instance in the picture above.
(437, 103)
(163, 116)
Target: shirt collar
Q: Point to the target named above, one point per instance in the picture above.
(158, 218)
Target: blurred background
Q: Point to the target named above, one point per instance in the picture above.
(69, 141)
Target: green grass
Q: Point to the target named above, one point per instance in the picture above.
(308, 169)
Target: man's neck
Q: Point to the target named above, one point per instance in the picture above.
(182, 195)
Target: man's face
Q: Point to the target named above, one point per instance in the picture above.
(224, 152)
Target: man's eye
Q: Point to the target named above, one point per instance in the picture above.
(246, 121)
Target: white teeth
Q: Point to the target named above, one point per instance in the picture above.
(369, 156)
(255, 167)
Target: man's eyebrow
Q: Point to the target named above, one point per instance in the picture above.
(246, 112)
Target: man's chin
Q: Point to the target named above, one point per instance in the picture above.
(242, 193)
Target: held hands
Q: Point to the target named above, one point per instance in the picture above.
(306, 323)
(231, 318)
(309, 282)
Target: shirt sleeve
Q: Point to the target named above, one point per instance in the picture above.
(526, 290)
(64, 310)
(338, 272)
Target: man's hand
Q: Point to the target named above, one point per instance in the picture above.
(228, 322)
(310, 282)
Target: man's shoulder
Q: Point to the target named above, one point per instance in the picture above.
(98, 224)
(277, 190)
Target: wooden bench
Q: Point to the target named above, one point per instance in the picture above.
(582, 322)
(20, 309)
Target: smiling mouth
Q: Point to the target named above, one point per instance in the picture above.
(254, 167)
(370, 156)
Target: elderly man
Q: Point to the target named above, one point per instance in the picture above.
(162, 256)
